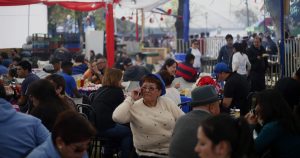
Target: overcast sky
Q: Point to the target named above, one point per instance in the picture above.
(219, 13)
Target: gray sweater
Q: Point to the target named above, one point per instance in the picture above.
(184, 137)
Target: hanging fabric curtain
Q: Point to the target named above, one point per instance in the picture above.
(78, 6)
(18, 2)
(110, 38)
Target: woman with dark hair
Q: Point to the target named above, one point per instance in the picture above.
(222, 136)
(151, 116)
(170, 66)
(240, 61)
(280, 133)
(106, 100)
(60, 88)
(45, 101)
(70, 138)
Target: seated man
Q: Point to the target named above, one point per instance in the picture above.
(186, 69)
(24, 71)
(71, 87)
(236, 89)
(205, 103)
(96, 71)
(133, 72)
(56, 64)
(20, 133)
(80, 66)
(140, 60)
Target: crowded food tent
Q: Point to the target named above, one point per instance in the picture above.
(156, 102)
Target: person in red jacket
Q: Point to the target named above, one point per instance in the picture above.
(186, 69)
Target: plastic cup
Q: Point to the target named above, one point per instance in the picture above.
(81, 82)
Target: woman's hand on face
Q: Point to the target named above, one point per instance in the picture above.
(136, 94)
(251, 118)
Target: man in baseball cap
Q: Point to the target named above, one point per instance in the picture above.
(236, 89)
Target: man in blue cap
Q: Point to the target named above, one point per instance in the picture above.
(236, 89)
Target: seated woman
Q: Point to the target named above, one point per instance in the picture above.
(171, 92)
(45, 101)
(170, 66)
(60, 88)
(70, 138)
(106, 100)
(152, 117)
(280, 133)
(218, 141)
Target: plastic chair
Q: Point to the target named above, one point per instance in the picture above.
(184, 106)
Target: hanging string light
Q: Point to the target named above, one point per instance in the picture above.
(161, 18)
(169, 12)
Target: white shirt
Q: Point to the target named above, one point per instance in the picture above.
(197, 54)
(240, 63)
(173, 94)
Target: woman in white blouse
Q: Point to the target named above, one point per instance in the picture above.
(196, 52)
(152, 117)
(240, 61)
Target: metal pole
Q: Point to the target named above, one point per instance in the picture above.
(265, 26)
(248, 23)
(137, 26)
(282, 62)
(143, 25)
(205, 14)
(28, 27)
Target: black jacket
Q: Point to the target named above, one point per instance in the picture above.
(105, 102)
(135, 73)
(257, 65)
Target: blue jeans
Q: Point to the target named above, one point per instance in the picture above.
(123, 134)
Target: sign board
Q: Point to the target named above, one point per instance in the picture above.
(94, 40)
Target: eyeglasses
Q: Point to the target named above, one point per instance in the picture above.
(151, 89)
